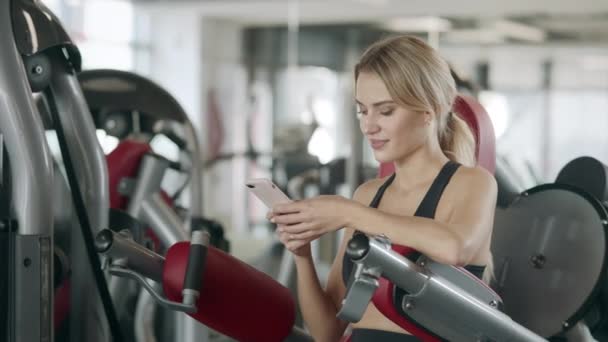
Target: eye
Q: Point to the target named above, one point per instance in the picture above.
(360, 113)
(387, 112)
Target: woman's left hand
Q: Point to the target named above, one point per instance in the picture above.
(308, 219)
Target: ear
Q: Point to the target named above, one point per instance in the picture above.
(428, 117)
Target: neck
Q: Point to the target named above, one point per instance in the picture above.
(419, 167)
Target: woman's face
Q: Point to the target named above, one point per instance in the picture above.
(393, 131)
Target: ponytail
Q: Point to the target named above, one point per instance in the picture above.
(457, 141)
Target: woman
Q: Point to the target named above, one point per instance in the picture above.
(436, 202)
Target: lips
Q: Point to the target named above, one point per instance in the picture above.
(377, 144)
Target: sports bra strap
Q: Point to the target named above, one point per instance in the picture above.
(376, 201)
(429, 203)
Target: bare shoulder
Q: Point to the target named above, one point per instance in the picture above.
(474, 180)
(476, 176)
(366, 191)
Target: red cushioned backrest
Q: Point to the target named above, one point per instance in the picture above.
(123, 162)
(471, 111)
(478, 120)
(475, 115)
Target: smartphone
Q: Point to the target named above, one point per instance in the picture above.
(267, 192)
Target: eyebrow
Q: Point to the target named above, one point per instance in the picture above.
(377, 104)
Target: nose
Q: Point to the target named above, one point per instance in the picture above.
(369, 124)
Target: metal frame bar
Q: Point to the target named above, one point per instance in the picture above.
(458, 314)
(32, 173)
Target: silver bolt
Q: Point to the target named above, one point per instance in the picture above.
(422, 263)
(38, 69)
(409, 305)
(565, 325)
(605, 222)
(538, 261)
(111, 124)
(493, 303)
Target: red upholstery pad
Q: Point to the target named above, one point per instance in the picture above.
(478, 120)
(123, 162)
(236, 300)
(61, 308)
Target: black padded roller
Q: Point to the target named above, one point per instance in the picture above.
(193, 279)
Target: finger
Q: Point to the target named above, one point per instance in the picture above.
(282, 233)
(284, 238)
(288, 239)
(298, 228)
(286, 208)
(306, 235)
(287, 219)
(295, 244)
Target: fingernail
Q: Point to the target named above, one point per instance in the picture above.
(272, 220)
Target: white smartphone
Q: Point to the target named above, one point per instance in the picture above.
(267, 192)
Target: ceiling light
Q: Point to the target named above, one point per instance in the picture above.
(373, 2)
(418, 24)
(483, 36)
(512, 29)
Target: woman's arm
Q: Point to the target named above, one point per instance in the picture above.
(454, 242)
(319, 307)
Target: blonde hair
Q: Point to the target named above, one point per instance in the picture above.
(418, 78)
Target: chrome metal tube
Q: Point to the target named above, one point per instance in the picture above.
(437, 302)
(20, 124)
(163, 220)
(85, 150)
(196, 181)
(378, 253)
(134, 256)
(31, 169)
(151, 172)
(144, 316)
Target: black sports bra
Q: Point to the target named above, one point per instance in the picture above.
(427, 209)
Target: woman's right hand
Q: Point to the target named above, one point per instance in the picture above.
(297, 247)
